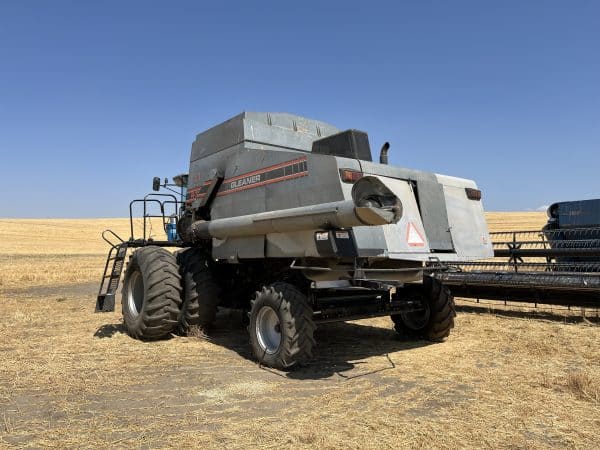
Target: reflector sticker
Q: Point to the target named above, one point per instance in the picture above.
(413, 237)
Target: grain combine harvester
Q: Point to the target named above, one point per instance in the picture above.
(291, 220)
(558, 265)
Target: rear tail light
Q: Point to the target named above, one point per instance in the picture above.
(350, 176)
(473, 194)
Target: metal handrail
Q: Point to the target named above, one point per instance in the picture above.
(161, 204)
(108, 241)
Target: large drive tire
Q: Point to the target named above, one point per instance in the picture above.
(435, 321)
(281, 326)
(200, 291)
(151, 293)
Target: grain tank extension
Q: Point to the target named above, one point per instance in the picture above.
(291, 220)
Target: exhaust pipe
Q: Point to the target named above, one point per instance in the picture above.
(383, 154)
(372, 204)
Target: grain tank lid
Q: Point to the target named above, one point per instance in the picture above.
(281, 130)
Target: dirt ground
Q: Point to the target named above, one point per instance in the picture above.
(72, 378)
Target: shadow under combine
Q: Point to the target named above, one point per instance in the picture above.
(340, 347)
(109, 330)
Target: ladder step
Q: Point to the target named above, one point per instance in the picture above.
(106, 299)
(112, 275)
(105, 303)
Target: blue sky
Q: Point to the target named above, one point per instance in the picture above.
(98, 97)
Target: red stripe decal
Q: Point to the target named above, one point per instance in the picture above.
(256, 178)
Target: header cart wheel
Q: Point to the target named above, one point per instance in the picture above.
(281, 326)
(151, 293)
(435, 320)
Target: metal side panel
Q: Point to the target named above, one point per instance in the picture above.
(236, 198)
(435, 217)
(403, 240)
(370, 241)
(272, 129)
(319, 183)
(467, 224)
(267, 180)
(201, 172)
(286, 131)
(219, 137)
(408, 236)
(234, 248)
(296, 244)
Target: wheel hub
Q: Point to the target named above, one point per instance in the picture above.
(135, 293)
(416, 320)
(268, 329)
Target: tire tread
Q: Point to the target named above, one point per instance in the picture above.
(162, 294)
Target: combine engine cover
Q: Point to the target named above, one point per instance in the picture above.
(275, 185)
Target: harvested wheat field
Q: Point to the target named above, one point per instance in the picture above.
(72, 378)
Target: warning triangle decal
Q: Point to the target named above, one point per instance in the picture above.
(413, 237)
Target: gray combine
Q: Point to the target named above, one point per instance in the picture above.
(291, 220)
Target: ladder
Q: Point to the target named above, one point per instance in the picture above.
(105, 302)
